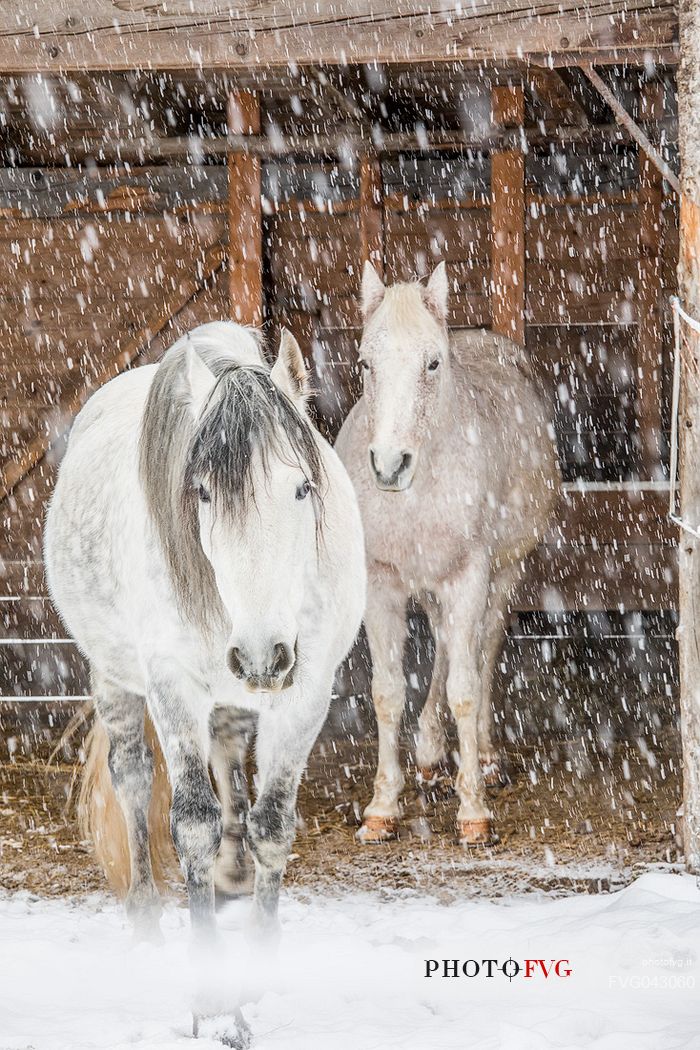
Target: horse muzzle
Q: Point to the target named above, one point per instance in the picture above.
(393, 470)
(270, 670)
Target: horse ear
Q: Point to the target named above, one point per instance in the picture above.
(289, 371)
(437, 292)
(199, 381)
(372, 290)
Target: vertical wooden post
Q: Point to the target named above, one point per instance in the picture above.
(244, 214)
(689, 425)
(508, 221)
(649, 291)
(372, 213)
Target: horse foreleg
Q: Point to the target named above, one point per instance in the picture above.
(195, 812)
(131, 770)
(231, 731)
(196, 828)
(283, 744)
(385, 624)
(465, 605)
(488, 755)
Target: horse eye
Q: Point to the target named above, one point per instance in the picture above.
(204, 494)
(303, 490)
(434, 365)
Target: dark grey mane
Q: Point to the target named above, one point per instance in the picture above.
(245, 415)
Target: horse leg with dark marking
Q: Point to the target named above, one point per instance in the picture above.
(283, 747)
(493, 634)
(131, 769)
(431, 745)
(195, 812)
(196, 827)
(231, 732)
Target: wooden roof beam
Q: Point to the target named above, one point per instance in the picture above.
(142, 152)
(59, 36)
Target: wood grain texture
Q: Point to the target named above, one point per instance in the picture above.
(244, 214)
(508, 221)
(62, 35)
(82, 302)
(371, 213)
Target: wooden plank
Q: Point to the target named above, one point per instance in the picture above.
(244, 214)
(371, 213)
(508, 221)
(15, 470)
(65, 35)
(24, 618)
(650, 291)
(634, 517)
(632, 578)
(579, 231)
(53, 192)
(43, 668)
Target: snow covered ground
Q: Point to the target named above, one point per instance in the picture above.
(350, 974)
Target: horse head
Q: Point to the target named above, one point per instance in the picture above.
(248, 496)
(404, 357)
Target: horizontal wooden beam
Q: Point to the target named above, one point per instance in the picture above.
(68, 35)
(144, 151)
(51, 193)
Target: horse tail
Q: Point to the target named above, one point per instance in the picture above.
(102, 821)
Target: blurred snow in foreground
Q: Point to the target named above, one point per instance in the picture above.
(350, 974)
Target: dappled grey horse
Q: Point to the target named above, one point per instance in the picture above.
(451, 452)
(204, 546)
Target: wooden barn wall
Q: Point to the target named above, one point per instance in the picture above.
(612, 547)
(84, 281)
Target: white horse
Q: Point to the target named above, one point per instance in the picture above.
(204, 547)
(452, 458)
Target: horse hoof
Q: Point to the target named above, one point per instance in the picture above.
(377, 829)
(476, 832)
(228, 1029)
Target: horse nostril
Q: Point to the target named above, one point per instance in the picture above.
(406, 461)
(233, 658)
(282, 660)
(373, 462)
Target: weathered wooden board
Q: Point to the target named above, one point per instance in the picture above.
(84, 291)
(66, 35)
(50, 193)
